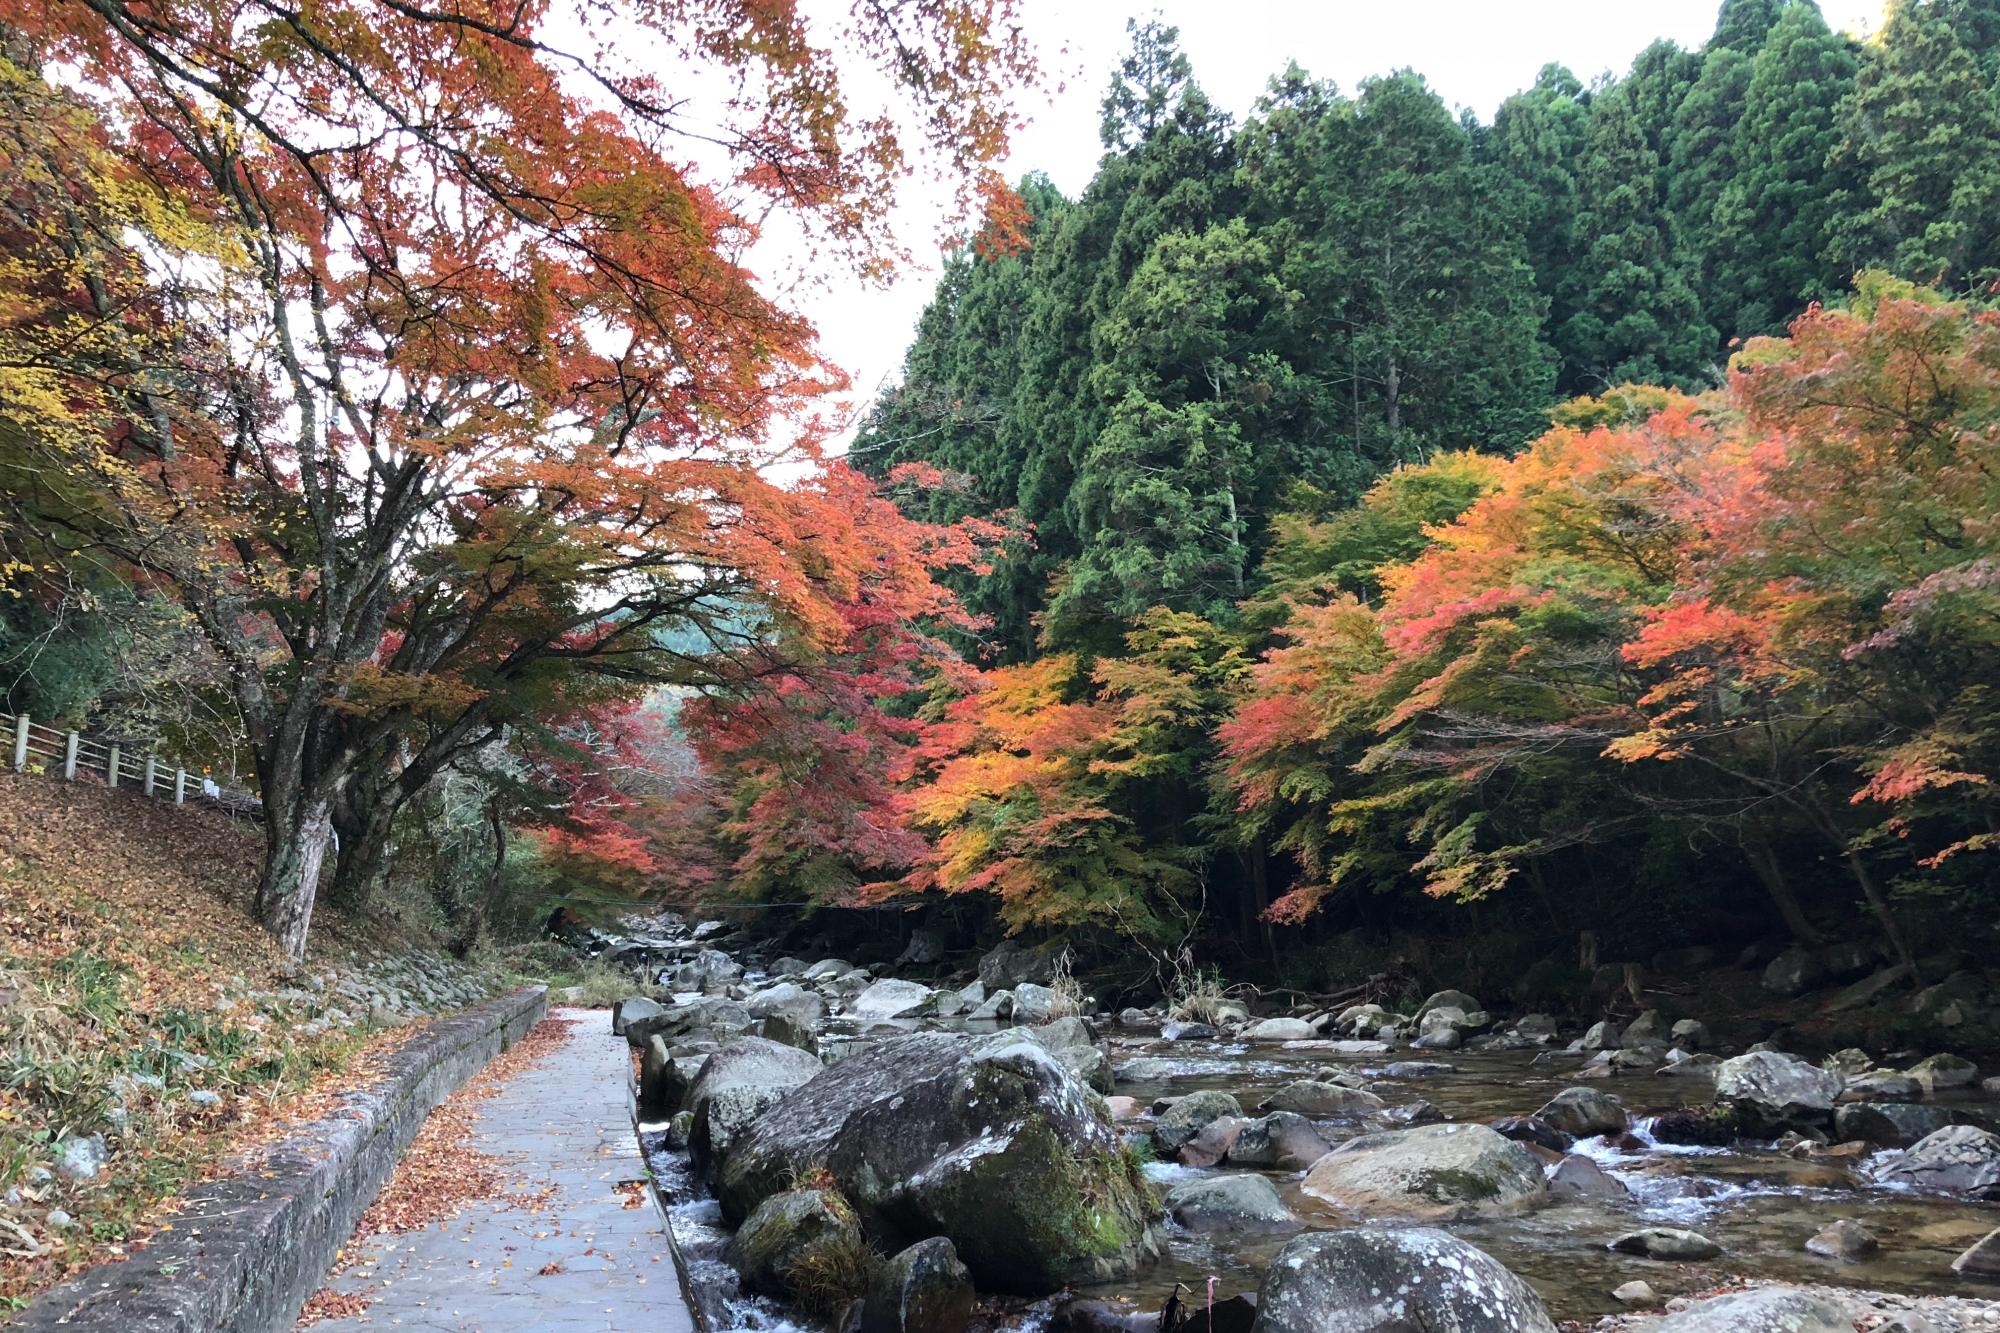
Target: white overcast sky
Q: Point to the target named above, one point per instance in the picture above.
(1475, 53)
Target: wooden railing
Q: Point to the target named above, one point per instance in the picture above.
(116, 763)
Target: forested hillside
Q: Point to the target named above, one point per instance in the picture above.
(1309, 614)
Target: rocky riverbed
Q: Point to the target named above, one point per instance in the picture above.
(853, 1148)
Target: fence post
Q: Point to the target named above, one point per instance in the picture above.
(111, 767)
(180, 785)
(69, 757)
(152, 766)
(21, 743)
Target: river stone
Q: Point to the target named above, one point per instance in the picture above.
(1881, 1085)
(712, 972)
(1690, 1129)
(1944, 1071)
(1012, 963)
(1793, 972)
(1958, 1159)
(805, 1008)
(1147, 1069)
(1532, 1129)
(1356, 1018)
(1451, 999)
(1846, 1240)
(1768, 1092)
(788, 967)
(827, 969)
(1699, 1065)
(1188, 1115)
(1418, 1069)
(663, 1084)
(1431, 1171)
(1691, 1034)
(784, 1229)
(1649, 1028)
(1670, 1243)
(1214, 1143)
(1311, 1097)
(1176, 1030)
(1583, 1113)
(994, 1008)
(712, 1017)
(924, 1289)
(925, 949)
(889, 998)
(1035, 1004)
(1889, 1124)
(1282, 1140)
(1235, 1203)
(788, 1031)
(737, 1083)
(1370, 1280)
(1280, 1029)
(1982, 1259)
(1076, 1046)
(1445, 1038)
(1602, 1036)
(1635, 1293)
(1578, 1177)
(1765, 1310)
(988, 1141)
(1536, 1025)
(629, 1008)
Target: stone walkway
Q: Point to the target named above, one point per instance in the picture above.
(579, 1259)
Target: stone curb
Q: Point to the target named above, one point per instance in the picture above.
(245, 1252)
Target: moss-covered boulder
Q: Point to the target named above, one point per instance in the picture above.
(738, 1083)
(1365, 1279)
(1433, 1171)
(805, 1246)
(991, 1142)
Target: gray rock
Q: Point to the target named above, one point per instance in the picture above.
(1146, 1069)
(805, 1008)
(1311, 1097)
(1982, 1259)
(1670, 1243)
(826, 969)
(712, 1018)
(988, 1141)
(1846, 1240)
(924, 1289)
(1011, 963)
(1700, 1065)
(1691, 1034)
(996, 1007)
(1887, 1124)
(1867, 989)
(1536, 1025)
(1584, 1112)
(1035, 1004)
(1909, 1321)
(631, 1007)
(82, 1158)
(1530, 1129)
(974, 995)
(1280, 1029)
(1214, 1143)
(1649, 1028)
(1602, 1036)
(1578, 1177)
(1635, 1293)
(1071, 1041)
(783, 1231)
(1367, 1280)
(1447, 999)
(1176, 1030)
(1432, 1171)
(1765, 1310)
(1944, 1071)
(1282, 1141)
(1188, 1115)
(663, 1083)
(1768, 1092)
(1403, 1069)
(1958, 1159)
(205, 1098)
(737, 1083)
(1439, 1039)
(711, 972)
(1882, 1086)
(889, 998)
(1233, 1203)
(925, 949)
(1793, 972)
(788, 1031)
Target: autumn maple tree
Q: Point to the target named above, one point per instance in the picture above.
(424, 369)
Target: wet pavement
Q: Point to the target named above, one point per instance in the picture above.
(567, 1250)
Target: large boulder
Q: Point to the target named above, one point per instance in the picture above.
(1431, 1171)
(1367, 1280)
(630, 1008)
(1011, 963)
(925, 949)
(1768, 1092)
(1234, 1203)
(1958, 1159)
(924, 1289)
(663, 1082)
(889, 998)
(706, 1019)
(1578, 1177)
(1035, 1005)
(1793, 972)
(737, 1083)
(1672, 1244)
(712, 972)
(988, 1141)
(1280, 1029)
(1076, 1046)
(1765, 1310)
(1448, 999)
(1944, 1071)
(1583, 1113)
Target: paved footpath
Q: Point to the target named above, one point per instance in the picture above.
(579, 1260)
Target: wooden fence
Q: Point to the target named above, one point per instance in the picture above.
(117, 763)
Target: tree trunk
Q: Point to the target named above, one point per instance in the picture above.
(1765, 862)
(363, 817)
(1880, 906)
(1260, 894)
(295, 845)
(473, 925)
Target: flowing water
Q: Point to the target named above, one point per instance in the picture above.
(1757, 1203)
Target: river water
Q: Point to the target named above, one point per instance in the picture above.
(1759, 1204)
